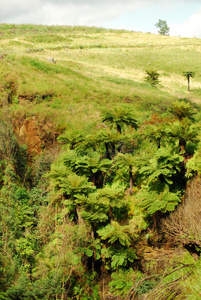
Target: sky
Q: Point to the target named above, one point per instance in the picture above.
(182, 16)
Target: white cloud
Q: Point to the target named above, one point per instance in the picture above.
(190, 28)
(90, 12)
(72, 12)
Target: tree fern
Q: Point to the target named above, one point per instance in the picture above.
(188, 75)
(152, 77)
(70, 158)
(122, 281)
(127, 161)
(120, 116)
(111, 139)
(181, 110)
(114, 196)
(74, 184)
(163, 166)
(57, 173)
(71, 138)
(156, 133)
(122, 257)
(183, 131)
(152, 201)
(115, 232)
(93, 165)
(95, 210)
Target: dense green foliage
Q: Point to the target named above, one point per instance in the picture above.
(92, 160)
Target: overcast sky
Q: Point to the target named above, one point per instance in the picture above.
(182, 16)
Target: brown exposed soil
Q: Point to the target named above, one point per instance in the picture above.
(37, 135)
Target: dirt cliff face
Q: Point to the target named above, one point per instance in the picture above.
(36, 134)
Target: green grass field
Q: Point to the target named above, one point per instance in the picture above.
(95, 67)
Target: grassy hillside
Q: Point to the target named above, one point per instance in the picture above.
(96, 67)
(99, 179)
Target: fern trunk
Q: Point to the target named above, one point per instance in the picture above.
(94, 179)
(79, 217)
(107, 151)
(131, 181)
(110, 213)
(182, 145)
(156, 217)
(188, 83)
(113, 149)
(159, 143)
(119, 149)
(118, 128)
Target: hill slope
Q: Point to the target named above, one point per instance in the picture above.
(95, 67)
(99, 179)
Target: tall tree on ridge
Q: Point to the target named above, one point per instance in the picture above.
(162, 26)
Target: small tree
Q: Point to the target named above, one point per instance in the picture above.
(187, 75)
(152, 77)
(162, 26)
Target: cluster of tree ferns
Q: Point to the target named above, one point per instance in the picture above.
(69, 225)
